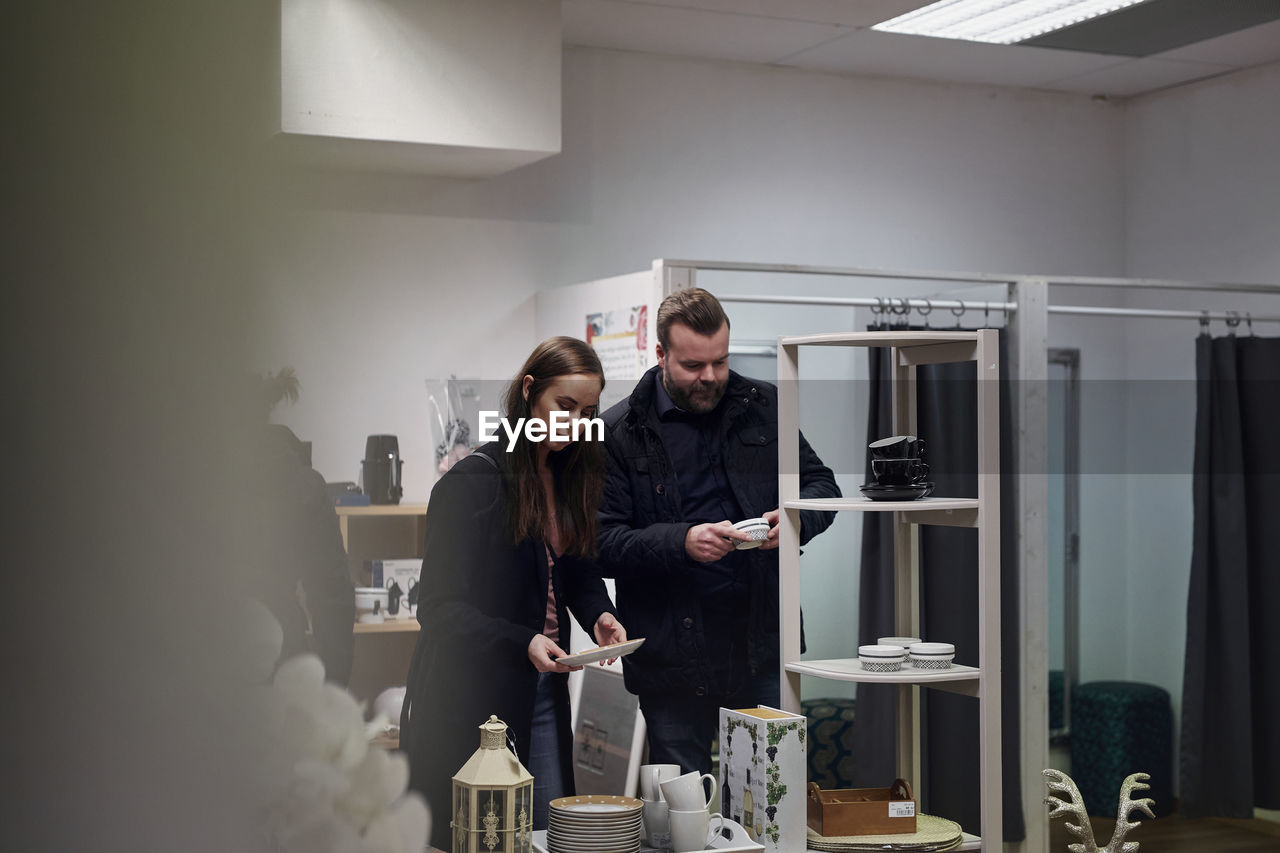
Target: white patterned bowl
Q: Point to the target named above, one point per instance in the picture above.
(881, 658)
(905, 642)
(932, 655)
(756, 528)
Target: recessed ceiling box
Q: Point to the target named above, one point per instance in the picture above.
(462, 88)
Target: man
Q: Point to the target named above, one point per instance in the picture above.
(693, 450)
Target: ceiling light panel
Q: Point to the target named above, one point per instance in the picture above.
(998, 21)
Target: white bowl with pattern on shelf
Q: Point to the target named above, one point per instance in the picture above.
(932, 655)
(904, 642)
(881, 658)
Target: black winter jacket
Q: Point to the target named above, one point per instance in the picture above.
(482, 600)
(642, 533)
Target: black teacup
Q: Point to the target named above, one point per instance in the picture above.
(899, 472)
(897, 447)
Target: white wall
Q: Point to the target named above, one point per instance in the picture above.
(383, 281)
(469, 86)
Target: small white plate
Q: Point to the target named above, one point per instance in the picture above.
(617, 650)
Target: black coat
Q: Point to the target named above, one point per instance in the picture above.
(642, 532)
(481, 600)
(295, 538)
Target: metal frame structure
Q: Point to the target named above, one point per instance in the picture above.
(1027, 309)
(1070, 360)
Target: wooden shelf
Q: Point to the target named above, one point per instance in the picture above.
(868, 505)
(967, 842)
(381, 532)
(390, 626)
(850, 669)
(944, 512)
(382, 509)
(386, 741)
(879, 339)
(910, 350)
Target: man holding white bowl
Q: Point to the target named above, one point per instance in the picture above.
(688, 528)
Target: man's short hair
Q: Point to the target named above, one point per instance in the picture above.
(695, 308)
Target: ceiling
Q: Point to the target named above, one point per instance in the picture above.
(1103, 57)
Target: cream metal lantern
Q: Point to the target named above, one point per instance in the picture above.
(492, 798)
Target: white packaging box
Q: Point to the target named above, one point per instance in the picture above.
(766, 746)
(402, 571)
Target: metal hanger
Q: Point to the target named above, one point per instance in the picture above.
(925, 312)
(1233, 320)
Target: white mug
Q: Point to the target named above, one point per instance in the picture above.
(685, 793)
(691, 830)
(657, 825)
(652, 775)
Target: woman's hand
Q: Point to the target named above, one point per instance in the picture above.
(542, 651)
(609, 632)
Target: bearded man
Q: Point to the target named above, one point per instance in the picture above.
(691, 451)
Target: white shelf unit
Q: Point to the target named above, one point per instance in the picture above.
(908, 350)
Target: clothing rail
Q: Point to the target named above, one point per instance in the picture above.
(958, 308)
(976, 277)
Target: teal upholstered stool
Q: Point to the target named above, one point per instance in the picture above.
(1119, 728)
(830, 747)
(1057, 719)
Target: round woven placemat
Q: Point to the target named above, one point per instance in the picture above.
(932, 833)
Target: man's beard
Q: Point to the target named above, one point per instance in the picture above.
(701, 399)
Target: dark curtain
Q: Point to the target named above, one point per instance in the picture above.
(1230, 756)
(946, 411)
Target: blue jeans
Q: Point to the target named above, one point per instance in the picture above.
(682, 726)
(544, 752)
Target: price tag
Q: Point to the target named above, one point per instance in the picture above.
(907, 809)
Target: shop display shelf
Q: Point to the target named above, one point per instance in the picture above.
(390, 626)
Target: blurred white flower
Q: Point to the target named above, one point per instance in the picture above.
(259, 639)
(328, 790)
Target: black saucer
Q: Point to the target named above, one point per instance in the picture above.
(878, 492)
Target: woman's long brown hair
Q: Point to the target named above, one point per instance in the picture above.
(578, 469)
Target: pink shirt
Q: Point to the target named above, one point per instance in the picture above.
(551, 624)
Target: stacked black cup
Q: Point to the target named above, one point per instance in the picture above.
(898, 469)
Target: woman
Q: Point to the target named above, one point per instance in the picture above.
(508, 543)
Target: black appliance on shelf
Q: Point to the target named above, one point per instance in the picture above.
(382, 468)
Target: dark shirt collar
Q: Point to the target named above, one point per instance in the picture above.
(665, 406)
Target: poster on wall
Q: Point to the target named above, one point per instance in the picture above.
(619, 338)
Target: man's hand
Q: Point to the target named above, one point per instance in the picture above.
(706, 543)
(541, 652)
(609, 632)
(772, 542)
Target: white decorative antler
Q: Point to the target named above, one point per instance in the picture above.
(1135, 782)
(1061, 783)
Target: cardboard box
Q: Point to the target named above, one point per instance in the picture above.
(862, 811)
(382, 572)
(762, 775)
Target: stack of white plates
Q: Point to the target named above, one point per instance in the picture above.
(595, 823)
